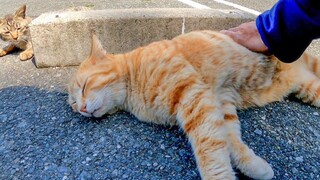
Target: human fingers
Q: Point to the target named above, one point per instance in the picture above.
(235, 35)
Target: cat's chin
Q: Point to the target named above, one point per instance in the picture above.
(86, 114)
(96, 114)
(101, 112)
(14, 41)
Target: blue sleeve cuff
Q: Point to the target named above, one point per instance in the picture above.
(289, 27)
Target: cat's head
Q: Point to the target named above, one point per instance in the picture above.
(14, 27)
(98, 86)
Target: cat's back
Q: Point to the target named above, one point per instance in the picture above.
(222, 61)
(161, 69)
(211, 47)
(198, 48)
(213, 55)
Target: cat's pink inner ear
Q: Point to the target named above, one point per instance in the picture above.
(97, 51)
(21, 12)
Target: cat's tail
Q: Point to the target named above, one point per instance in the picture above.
(308, 79)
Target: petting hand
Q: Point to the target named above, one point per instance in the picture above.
(247, 35)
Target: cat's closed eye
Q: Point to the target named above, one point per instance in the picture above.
(84, 87)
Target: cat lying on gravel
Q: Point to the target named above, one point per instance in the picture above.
(196, 80)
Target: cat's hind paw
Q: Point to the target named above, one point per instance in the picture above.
(257, 168)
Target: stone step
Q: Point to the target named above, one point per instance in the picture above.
(63, 38)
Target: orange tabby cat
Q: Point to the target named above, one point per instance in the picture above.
(14, 29)
(196, 80)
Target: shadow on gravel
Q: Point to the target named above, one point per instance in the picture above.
(41, 138)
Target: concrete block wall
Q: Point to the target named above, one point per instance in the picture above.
(63, 38)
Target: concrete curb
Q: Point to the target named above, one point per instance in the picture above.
(63, 38)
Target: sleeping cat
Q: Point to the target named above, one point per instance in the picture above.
(14, 29)
(196, 80)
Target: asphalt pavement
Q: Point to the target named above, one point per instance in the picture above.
(41, 138)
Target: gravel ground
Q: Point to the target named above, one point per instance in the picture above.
(41, 138)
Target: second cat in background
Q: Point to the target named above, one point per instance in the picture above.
(14, 29)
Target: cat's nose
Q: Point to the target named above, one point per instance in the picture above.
(84, 109)
(14, 36)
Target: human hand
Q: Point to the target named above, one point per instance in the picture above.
(248, 36)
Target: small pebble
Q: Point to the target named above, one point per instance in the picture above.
(299, 159)
(162, 146)
(294, 170)
(125, 176)
(155, 164)
(258, 131)
(114, 173)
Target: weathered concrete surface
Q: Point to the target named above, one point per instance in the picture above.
(63, 38)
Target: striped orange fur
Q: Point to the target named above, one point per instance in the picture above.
(196, 80)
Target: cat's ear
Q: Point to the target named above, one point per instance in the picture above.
(21, 12)
(1, 21)
(97, 51)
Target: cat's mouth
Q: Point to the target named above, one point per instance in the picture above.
(18, 40)
(86, 114)
(97, 113)
(74, 106)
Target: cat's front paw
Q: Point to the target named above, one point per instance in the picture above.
(2, 53)
(25, 56)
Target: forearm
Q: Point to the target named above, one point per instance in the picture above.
(289, 27)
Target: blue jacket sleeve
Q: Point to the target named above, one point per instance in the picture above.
(289, 26)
